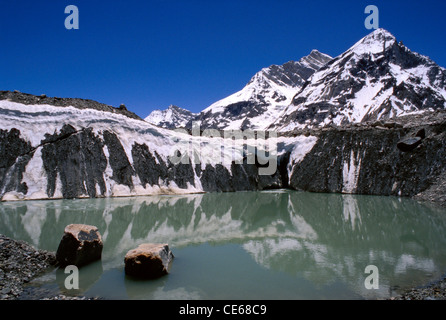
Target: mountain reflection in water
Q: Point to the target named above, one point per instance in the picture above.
(324, 239)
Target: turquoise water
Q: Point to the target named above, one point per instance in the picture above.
(249, 245)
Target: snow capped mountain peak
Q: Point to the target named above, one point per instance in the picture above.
(375, 42)
(376, 79)
(315, 59)
(170, 118)
(267, 93)
(378, 35)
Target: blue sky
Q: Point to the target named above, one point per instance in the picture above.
(153, 53)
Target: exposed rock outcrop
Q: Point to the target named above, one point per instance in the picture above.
(15, 153)
(77, 159)
(29, 99)
(370, 160)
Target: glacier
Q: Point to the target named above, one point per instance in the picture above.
(76, 153)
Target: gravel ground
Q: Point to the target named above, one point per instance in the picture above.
(20, 263)
(433, 291)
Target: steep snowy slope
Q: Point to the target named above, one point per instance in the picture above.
(256, 106)
(267, 93)
(376, 79)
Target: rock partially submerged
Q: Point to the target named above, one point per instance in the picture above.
(148, 260)
(80, 245)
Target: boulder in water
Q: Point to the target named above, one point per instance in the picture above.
(80, 245)
(148, 260)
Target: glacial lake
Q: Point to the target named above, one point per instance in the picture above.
(279, 244)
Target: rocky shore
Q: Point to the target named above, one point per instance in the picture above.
(432, 291)
(20, 263)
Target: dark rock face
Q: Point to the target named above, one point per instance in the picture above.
(149, 168)
(368, 161)
(80, 245)
(15, 153)
(363, 160)
(78, 159)
(182, 174)
(242, 177)
(216, 178)
(122, 169)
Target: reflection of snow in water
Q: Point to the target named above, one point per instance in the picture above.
(303, 229)
(33, 220)
(408, 261)
(351, 210)
(320, 245)
(263, 251)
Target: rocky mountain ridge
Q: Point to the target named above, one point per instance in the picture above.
(30, 99)
(267, 93)
(378, 78)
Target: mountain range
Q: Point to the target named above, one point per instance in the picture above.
(331, 115)
(378, 78)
